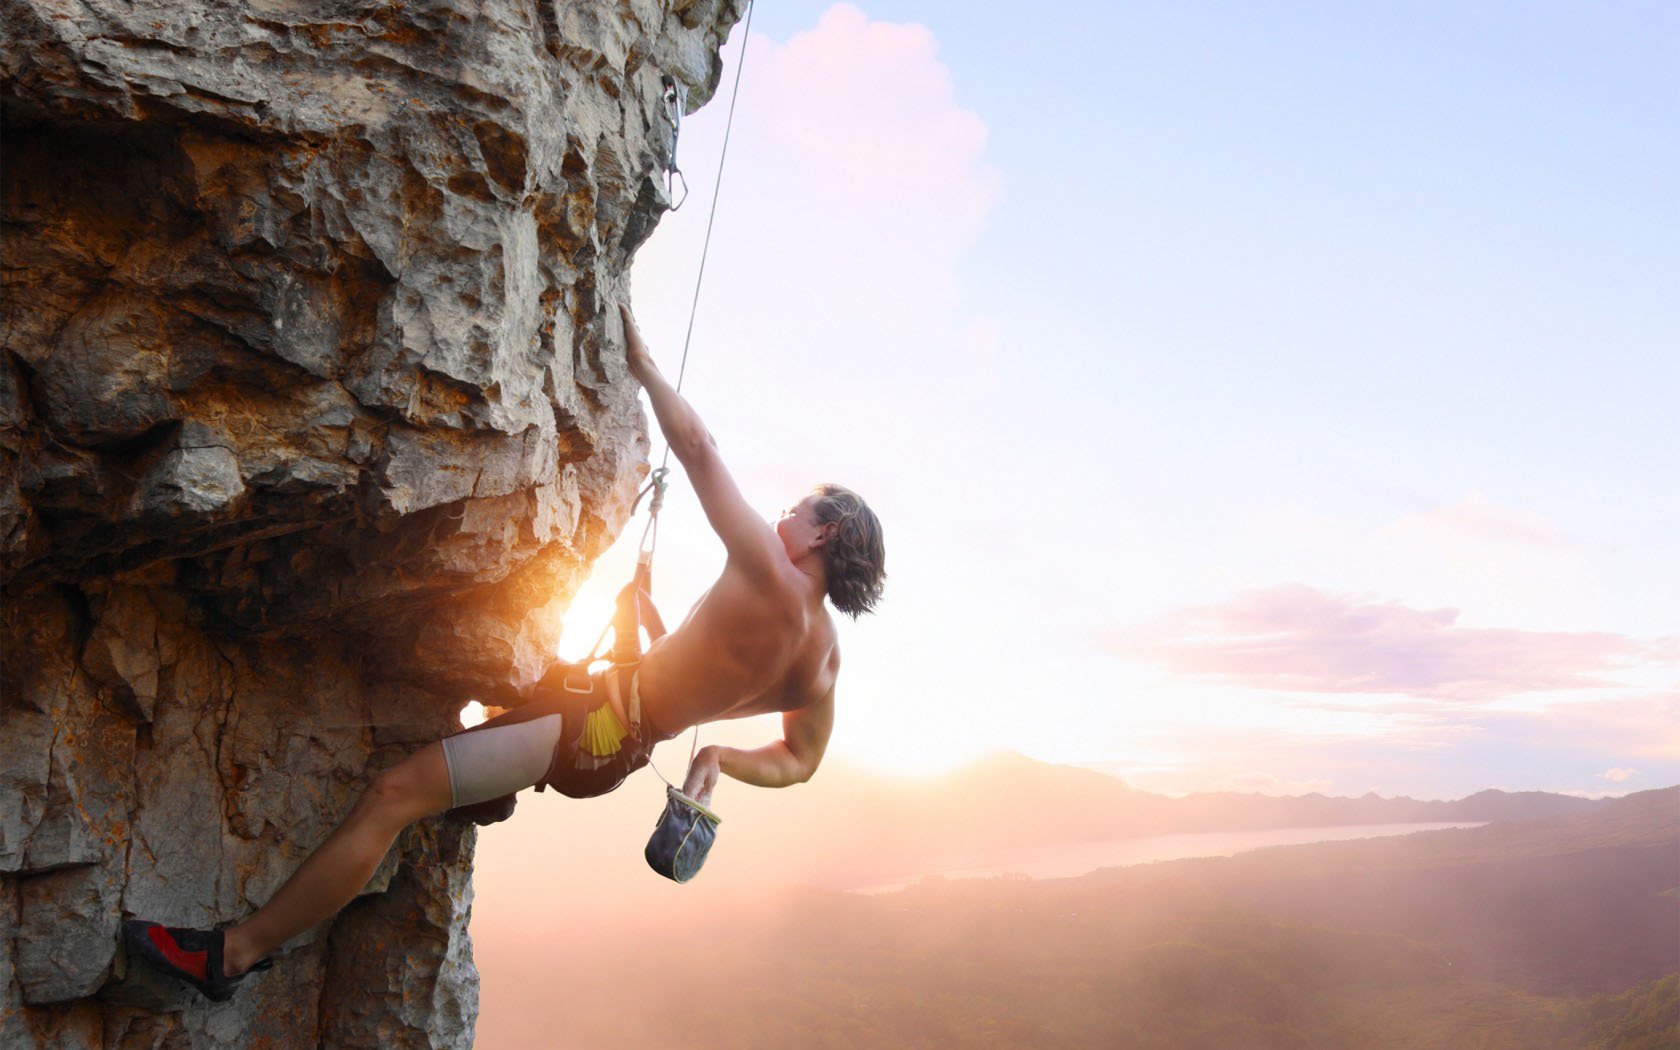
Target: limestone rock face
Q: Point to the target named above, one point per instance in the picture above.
(313, 412)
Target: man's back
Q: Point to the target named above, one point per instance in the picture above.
(750, 645)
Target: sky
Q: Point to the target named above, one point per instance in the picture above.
(1262, 397)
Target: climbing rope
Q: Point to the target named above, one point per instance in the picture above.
(711, 216)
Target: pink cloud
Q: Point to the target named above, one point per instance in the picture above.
(870, 111)
(1297, 638)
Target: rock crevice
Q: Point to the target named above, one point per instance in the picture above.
(312, 418)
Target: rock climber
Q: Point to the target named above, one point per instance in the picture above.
(758, 640)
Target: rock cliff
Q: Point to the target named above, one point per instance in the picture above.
(312, 415)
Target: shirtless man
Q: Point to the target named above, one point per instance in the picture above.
(758, 640)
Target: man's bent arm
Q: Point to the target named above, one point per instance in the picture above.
(770, 766)
(790, 760)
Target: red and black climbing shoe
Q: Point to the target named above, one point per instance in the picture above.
(194, 956)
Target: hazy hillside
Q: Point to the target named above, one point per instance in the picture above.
(1554, 934)
(867, 828)
(1583, 903)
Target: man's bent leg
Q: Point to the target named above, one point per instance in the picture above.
(330, 878)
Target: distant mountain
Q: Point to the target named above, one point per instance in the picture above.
(1520, 805)
(1222, 811)
(850, 827)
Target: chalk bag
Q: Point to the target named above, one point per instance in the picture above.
(682, 838)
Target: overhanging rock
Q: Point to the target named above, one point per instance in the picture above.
(312, 411)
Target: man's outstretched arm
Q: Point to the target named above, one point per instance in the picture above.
(746, 536)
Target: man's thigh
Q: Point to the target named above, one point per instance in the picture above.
(490, 762)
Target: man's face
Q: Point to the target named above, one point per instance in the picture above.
(798, 527)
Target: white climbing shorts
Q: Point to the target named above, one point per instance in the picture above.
(500, 760)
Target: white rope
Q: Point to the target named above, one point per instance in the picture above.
(711, 216)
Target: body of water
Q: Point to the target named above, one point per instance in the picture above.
(1070, 859)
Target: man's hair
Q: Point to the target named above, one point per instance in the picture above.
(855, 557)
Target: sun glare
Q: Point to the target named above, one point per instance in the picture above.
(918, 758)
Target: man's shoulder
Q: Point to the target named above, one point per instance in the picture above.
(782, 588)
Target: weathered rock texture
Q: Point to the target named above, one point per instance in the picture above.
(312, 414)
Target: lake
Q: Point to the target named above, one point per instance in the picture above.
(1069, 859)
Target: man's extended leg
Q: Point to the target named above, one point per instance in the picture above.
(330, 878)
(460, 770)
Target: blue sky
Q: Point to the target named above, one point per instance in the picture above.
(1263, 396)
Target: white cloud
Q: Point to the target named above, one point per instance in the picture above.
(1505, 562)
(1480, 516)
(1619, 775)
